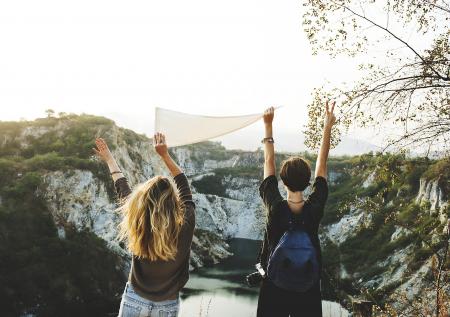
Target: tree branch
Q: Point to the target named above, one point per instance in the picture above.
(396, 37)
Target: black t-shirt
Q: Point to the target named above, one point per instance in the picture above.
(279, 215)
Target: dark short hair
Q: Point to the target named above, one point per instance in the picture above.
(295, 173)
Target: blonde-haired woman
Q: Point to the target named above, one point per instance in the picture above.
(158, 226)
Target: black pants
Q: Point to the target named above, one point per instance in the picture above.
(276, 302)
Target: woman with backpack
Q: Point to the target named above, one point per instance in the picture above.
(290, 253)
(158, 226)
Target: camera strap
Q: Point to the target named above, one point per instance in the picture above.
(263, 252)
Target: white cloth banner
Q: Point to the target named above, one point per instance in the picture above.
(184, 128)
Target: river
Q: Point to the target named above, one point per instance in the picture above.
(220, 290)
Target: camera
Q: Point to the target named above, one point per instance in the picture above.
(255, 278)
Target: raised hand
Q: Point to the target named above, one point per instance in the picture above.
(330, 118)
(269, 151)
(102, 151)
(159, 142)
(268, 115)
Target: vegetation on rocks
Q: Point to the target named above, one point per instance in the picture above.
(46, 272)
(43, 273)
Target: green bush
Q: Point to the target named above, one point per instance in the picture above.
(49, 161)
(8, 170)
(440, 168)
(210, 184)
(409, 213)
(29, 183)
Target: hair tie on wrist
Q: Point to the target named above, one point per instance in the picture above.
(116, 172)
(269, 140)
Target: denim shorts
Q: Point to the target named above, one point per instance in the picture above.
(133, 305)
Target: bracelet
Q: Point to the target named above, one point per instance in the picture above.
(269, 140)
(116, 172)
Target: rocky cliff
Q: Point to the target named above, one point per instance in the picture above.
(379, 208)
(79, 198)
(391, 229)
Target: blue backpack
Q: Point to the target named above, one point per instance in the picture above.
(293, 264)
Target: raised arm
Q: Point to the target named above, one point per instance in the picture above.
(269, 151)
(105, 155)
(329, 120)
(120, 182)
(159, 142)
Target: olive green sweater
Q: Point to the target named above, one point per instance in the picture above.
(162, 280)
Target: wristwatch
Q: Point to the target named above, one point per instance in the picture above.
(268, 140)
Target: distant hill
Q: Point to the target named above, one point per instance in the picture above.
(293, 142)
(249, 138)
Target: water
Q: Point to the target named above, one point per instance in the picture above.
(221, 291)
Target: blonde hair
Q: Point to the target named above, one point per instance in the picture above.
(152, 220)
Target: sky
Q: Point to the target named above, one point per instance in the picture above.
(121, 59)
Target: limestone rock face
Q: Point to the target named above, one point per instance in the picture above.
(80, 199)
(239, 214)
(348, 226)
(432, 192)
(77, 198)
